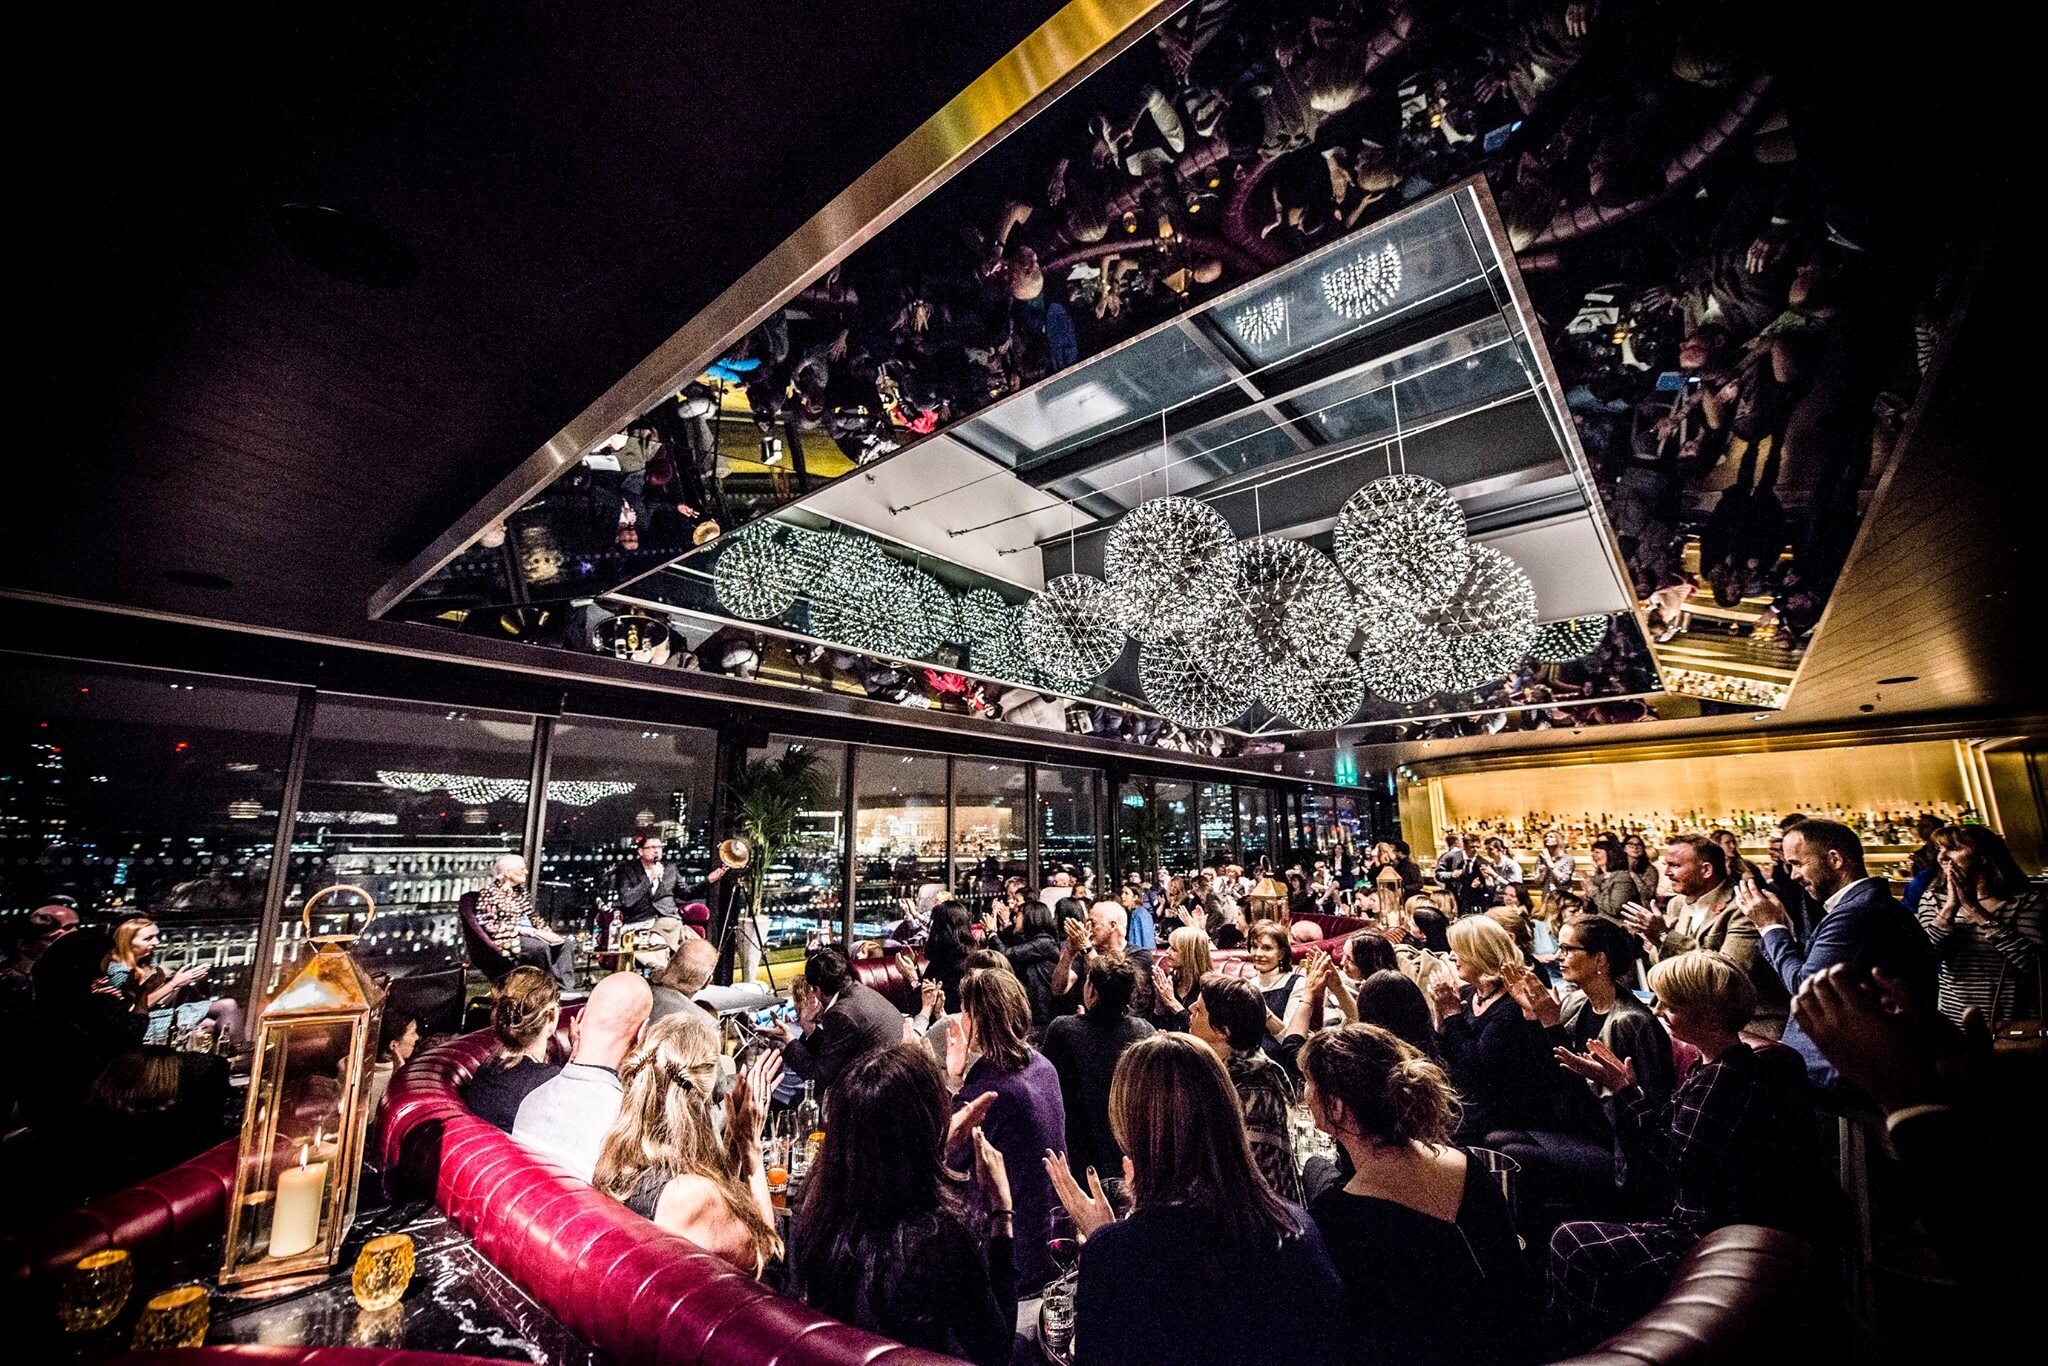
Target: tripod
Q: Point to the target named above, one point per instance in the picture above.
(729, 921)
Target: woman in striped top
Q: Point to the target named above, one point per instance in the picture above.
(1984, 920)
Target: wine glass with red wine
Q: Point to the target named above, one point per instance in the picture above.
(1062, 1241)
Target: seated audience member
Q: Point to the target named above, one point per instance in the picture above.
(1032, 957)
(80, 1024)
(1861, 924)
(149, 990)
(1927, 1076)
(524, 1011)
(398, 1036)
(664, 1158)
(1413, 1202)
(687, 972)
(1178, 976)
(1105, 935)
(837, 1020)
(1027, 1118)
(1702, 914)
(565, 1119)
(1230, 1017)
(1390, 999)
(1498, 1057)
(1189, 1277)
(28, 941)
(147, 1111)
(1284, 987)
(1084, 1049)
(1731, 1143)
(1984, 921)
(884, 1240)
(1581, 1158)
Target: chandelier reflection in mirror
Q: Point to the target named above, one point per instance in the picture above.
(1559, 642)
(1257, 324)
(1174, 681)
(474, 790)
(1365, 284)
(763, 569)
(1169, 559)
(1318, 689)
(1073, 630)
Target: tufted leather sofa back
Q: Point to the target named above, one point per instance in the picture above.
(634, 1291)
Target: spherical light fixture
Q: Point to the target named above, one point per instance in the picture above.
(1257, 324)
(751, 578)
(1319, 689)
(1490, 622)
(1072, 630)
(1182, 690)
(1290, 598)
(1401, 541)
(1560, 641)
(1170, 561)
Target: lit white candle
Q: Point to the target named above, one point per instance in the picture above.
(295, 1224)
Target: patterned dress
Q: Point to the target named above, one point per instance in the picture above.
(1731, 1142)
(1996, 968)
(500, 910)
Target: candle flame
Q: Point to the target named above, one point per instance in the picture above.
(304, 1149)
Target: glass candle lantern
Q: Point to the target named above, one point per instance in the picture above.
(1268, 900)
(302, 1131)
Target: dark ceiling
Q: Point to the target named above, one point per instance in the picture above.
(559, 188)
(564, 186)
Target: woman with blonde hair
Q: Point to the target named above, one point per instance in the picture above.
(663, 1158)
(524, 1011)
(1732, 1143)
(1415, 1200)
(1177, 976)
(149, 989)
(1494, 1053)
(1169, 1283)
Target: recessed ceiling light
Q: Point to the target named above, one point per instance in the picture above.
(342, 245)
(1901, 678)
(193, 578)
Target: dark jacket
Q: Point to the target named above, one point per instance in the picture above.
(642, 900)
(1032, 960)
(1867, 928)
(857, 1022)
(1501, 1064)
(1084, 1050)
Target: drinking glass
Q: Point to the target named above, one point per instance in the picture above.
(1056, 1316)
(383, 1271)
(176, 1318)
(95, 1290)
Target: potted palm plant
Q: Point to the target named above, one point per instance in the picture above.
(765, 803)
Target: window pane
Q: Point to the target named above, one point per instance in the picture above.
(801, 883)
(899, 830)
(1219, 823)
(1066, 822)
(608, 783)
(989, 829)
(413, 804)
(1256, 826)
(139, 793)
(1156, 826)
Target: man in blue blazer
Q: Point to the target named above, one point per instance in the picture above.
(1861, 925)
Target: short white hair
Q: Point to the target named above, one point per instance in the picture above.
(1114, 912)
(506, 863)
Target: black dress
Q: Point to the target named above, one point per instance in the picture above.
(926, 1283)
(1421, 1291)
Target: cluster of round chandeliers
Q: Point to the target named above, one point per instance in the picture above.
(1408, 608)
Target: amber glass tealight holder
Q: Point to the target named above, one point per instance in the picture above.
(176, 1318)
(96, 1290)
(383, 1271)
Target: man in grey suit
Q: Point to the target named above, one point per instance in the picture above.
(837, 1022)
(1702, 914)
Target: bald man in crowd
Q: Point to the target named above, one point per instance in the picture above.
(688, 972)
(565, 1119)
(1104, 933)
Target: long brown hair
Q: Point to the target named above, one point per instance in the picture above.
(994, 1002)
(664, 1122)
(140, 1081)
(124, 938)
(1174, 1112)
(1393, 1094)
